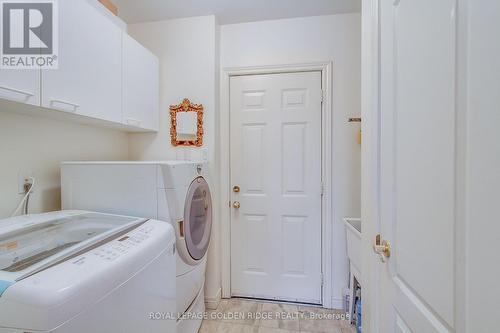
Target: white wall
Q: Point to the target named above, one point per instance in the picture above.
(187, 49)
(38, 145)
(334, 38)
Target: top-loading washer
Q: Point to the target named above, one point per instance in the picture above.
(78, 272)
(174, 191)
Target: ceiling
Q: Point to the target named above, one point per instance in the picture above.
(231, 11)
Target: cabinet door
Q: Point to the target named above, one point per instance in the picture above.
(140, 86)
(20, 85)
(88, 81)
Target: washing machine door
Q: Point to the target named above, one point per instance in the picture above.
(198, 218)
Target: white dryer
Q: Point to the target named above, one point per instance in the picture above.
(79, 272)
(174, 191)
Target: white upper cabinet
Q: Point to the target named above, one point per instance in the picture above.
(88, 81)
(20, 85)
(104, 77)
(140, 86)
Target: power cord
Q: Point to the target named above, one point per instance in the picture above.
(29, 188)
(26, 205)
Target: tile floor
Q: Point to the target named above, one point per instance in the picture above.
(248, 316)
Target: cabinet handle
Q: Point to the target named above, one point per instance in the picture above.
(133, 121)
(52, 101)
(28, 94)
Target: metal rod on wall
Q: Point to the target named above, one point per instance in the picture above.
(354, 120)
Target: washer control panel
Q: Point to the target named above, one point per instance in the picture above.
(124, 244)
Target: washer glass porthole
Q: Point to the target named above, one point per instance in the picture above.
(198, 218)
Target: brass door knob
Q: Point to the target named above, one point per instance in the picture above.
(236, 189)
(382, 248)
(236, 204)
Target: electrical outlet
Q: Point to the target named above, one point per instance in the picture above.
(22, 179)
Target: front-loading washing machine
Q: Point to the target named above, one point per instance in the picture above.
(177, 192)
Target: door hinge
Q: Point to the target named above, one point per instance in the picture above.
(322, 94)
(322, 279)
(322, 189)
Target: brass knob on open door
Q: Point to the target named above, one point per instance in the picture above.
(382, 248)
(236, 204)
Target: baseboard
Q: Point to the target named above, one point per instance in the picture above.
(338, 303)
(212, 303)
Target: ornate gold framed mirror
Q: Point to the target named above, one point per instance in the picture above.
(186, 124)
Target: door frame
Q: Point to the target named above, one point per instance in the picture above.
(326, 69)
(370, 105)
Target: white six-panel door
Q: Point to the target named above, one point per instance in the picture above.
(418, 166)
(276, 163)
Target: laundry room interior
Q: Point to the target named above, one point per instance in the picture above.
(209, 166)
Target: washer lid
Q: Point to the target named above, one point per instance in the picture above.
(30, 244)
(198, 218)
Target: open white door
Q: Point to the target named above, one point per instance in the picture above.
(417, 168)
